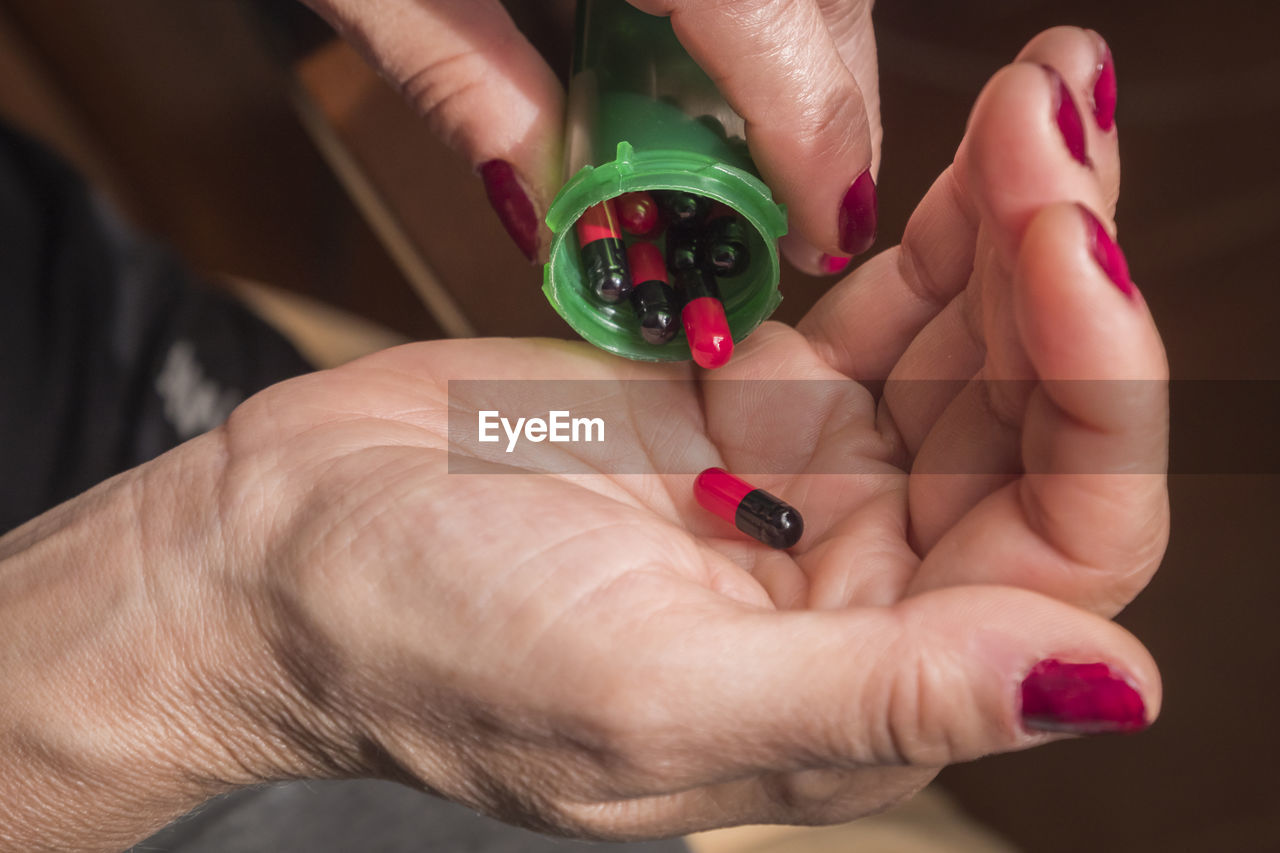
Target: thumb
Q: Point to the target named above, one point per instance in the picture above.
(481, 87)
(947, 676)
(819, 717)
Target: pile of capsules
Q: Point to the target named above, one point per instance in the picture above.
(681, 245)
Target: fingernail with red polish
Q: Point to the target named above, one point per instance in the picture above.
(1104, 87)
(1080, 698)
(858, 216)
(512, 205)
(833, 264)
(1067, 116)
(1107, 253)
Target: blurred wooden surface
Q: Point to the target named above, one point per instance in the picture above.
(189, 111)
(184, 112)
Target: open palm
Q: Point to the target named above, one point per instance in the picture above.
(563, 638)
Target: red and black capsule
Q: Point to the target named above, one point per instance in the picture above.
(703, 317)
(604, 256)
(656, 303)
(639, 215)
(682, 208)
(754, 511)
(722, 246)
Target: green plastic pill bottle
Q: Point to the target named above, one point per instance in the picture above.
(643, 116)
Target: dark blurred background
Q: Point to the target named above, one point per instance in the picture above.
(243, 134)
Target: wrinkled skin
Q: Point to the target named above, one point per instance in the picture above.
(593, 654)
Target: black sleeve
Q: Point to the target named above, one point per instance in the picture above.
(112, 352)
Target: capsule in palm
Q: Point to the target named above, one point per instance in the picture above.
(604, 256)
(755, 512)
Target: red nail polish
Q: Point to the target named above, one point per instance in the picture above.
(512, 205)
(858, 215)
(1080, 698)
(833, 264)
(1107, 253)
(1104, 88)
(1067, 116)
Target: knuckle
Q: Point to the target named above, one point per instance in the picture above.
(634, 737)
(803, 796)
(629, 737)
(915, 729)
(828, 122)
(441, 89)
(844, 15)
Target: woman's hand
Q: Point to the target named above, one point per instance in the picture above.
(801, 72)
(591, 653)
(578, 649)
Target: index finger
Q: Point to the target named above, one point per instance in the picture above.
(779, 67)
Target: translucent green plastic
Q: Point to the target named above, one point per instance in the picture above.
(643, 116)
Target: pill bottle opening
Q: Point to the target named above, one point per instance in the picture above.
(749, 297)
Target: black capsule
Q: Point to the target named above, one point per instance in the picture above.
(694, 283)
(722, 247)
(765, 518)
(682, 208)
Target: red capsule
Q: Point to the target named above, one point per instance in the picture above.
(705, 323)
(754, 511)
(638, 213)
(708, 331)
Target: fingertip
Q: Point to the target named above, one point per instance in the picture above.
(834, 265)
(859, 217)
(1018, 155)
(1085, 62)
(1041, 666)
(811, 260)
(1081, 698)
(514, 208)
(1080, 315)
(1105, 87)
(1106, 253)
